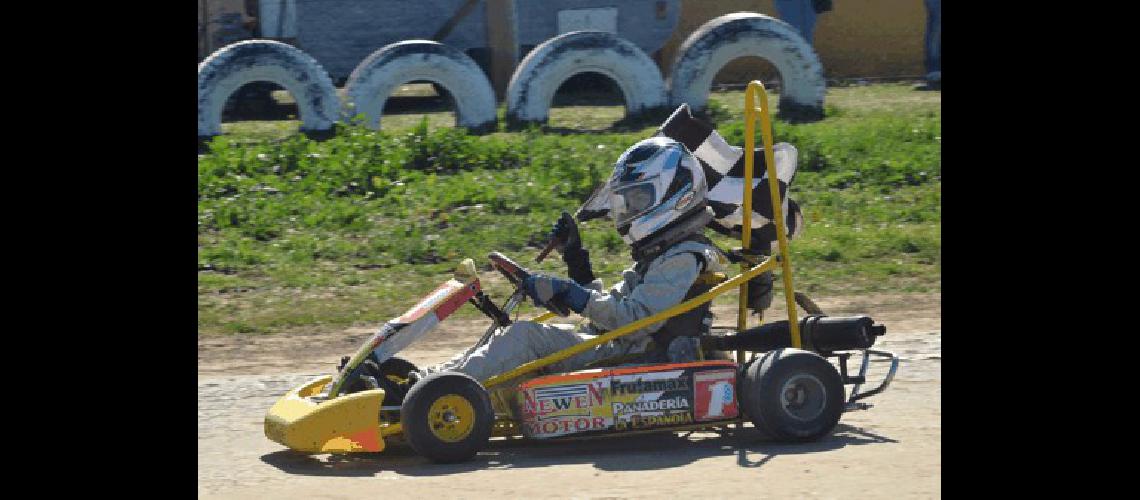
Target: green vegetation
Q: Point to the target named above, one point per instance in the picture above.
(298, 234)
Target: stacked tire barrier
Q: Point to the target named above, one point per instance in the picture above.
(534, 82)
(541, 72)
(711, 46)
(416, 60)
(249, 61)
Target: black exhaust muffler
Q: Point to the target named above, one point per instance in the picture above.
(822, 334)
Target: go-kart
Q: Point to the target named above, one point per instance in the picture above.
(787, 389)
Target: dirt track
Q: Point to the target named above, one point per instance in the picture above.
(892, 450)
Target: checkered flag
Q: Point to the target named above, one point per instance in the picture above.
(723, 166)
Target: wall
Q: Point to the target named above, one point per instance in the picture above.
(222, 22)
(857, 38)
(341, 33)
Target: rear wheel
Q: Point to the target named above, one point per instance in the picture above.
(447, 417)
(792, 395)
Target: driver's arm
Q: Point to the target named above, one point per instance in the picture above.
(664, 286)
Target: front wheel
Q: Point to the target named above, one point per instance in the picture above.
(792, 395)
(391, 375)
(447, 417)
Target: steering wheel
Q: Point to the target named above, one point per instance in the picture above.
(517, 274)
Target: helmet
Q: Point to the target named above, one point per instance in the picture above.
(655, 182)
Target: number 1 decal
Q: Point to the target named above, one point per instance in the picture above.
(713, 391)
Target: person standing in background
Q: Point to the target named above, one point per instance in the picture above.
(933, 44)
(801, 14)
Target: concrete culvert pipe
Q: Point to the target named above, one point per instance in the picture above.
(539, 75)
(232, 66)
(375, 78)
(742, 34)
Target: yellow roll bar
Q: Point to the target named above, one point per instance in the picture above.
(740, 280)
(750, 111)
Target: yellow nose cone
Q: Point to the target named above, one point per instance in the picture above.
(348, 423)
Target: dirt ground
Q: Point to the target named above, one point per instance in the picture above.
(892, 450)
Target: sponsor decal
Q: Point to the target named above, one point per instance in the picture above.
(565, 425)
(623, 385)
(629, 401)
(677, 403)
(654, 399)
(714, 394)
(639, 421)
(561, 400)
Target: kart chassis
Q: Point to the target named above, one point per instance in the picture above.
(320, 417)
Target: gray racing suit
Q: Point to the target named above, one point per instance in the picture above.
(664, 284)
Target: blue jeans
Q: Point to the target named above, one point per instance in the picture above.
(934, 37)
(799, 14)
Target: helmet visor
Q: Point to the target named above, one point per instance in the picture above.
(631, 201)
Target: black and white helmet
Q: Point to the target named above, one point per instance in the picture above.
(655, 182)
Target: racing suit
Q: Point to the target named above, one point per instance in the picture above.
(663, 283)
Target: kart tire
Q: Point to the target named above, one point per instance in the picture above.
(792, 395)
(382, 72)
(726, 38)
(394, 391)
(233, 66)
(428, 407)
(397, 366)
(538, 76)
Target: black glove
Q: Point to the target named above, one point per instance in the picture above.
(577, 259)
(566, 232)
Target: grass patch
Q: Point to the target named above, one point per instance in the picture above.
(296, 234)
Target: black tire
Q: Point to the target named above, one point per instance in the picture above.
(427, 432)
(398, 367)
(385, 373)
(792, 395)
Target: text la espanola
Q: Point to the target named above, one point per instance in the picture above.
(651, 400)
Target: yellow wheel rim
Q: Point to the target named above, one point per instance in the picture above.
(451, 418)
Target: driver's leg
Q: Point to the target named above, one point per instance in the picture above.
(522, 342)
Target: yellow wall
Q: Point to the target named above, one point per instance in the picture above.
(857, 38)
